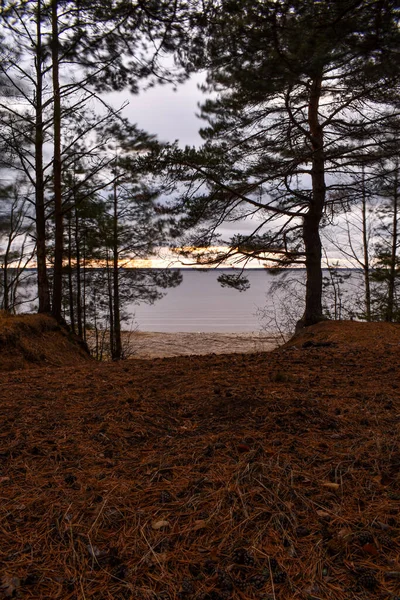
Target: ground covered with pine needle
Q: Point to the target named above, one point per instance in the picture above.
(244, 476)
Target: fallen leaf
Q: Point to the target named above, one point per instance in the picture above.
(345, 534)
(370, 549)
(323, 513)
(160, 524)
(379, 480)
(201, 524)
(331, 486)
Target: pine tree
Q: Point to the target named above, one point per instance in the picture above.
(300, 91)
(71, 50)
(131, 227)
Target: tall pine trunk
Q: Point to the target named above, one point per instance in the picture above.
(117, 317)
(84, 285)
(70, 278)
(58, 214)
(110, 304)
(6, 288)
(393, 253)
(78, 276)
(366, 265)
(40, 217)
(312, 219)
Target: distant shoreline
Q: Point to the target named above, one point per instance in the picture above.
(205, 270)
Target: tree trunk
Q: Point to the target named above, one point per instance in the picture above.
(313, 248)
(40, 217)
(58, 215)
(78, 276)
(110, 306)
(70, 281)
(312, 219)
(84, 274)
(96, 330)
(117, 316)
(6, 287)
(366, 266)
(393, 254)
(5, 304)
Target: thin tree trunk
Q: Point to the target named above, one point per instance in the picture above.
(117, 316)
(15, 281)
(40, 217)
(336, 294)
(78, 276)
(366, 265)
(58, 215)
(70, 282)
(96, 330)
(312, 220)
(110, 306)
(84, 274)
(6, 287)
(393, 255)
(5, 303)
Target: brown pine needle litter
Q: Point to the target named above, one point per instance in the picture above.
(247, 476)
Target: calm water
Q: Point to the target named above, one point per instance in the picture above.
(201, 304)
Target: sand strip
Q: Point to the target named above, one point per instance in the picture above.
(146, 344)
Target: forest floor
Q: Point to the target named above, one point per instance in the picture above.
(244, 476)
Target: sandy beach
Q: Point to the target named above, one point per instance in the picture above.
(157, 345)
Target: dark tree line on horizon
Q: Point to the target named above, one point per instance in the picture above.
(301, 137)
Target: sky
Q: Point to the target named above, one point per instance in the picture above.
(169, 114)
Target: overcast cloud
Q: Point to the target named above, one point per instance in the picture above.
(169, 114)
